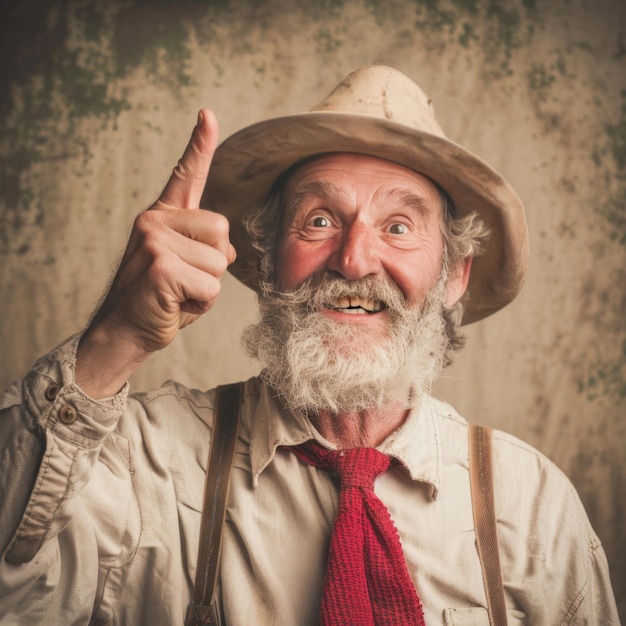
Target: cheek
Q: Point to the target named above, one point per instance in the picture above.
(295, 263)
(416, 274)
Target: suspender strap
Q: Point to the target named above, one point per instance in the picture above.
(481, 484)
(202, 611)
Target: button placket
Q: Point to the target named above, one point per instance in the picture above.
(68, 414)
(52, 392)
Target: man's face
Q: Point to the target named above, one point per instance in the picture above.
(355, 318)
(356, 216)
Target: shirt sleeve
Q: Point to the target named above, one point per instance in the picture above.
(595, 601)
(50, 437)
(600, 602)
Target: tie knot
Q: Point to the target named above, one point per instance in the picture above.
(358, 467)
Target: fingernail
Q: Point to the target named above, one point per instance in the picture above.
(200, 117)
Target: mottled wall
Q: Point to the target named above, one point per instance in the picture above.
(98, 99)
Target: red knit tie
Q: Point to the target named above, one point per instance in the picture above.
(367, 580)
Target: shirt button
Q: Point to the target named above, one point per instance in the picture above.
(52, 392)
(68, 414)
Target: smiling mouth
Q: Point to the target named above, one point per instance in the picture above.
(356, 306)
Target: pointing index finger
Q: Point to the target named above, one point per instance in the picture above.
(186, 184)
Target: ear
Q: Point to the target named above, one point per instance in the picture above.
(457, 281)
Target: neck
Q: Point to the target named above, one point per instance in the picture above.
(363, 429)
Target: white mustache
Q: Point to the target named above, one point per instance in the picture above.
(323, 291)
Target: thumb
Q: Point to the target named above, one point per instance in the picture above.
(186, 184)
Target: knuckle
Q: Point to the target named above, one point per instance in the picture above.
(220, 224)
(207, 294)
(221, 264)
(151, 232)
(146, 222)
(153, 244)
(213, 289)
(160, 269)
(140, 226)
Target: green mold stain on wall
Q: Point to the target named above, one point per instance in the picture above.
(606, 376)
(65, 62)
(614, 209)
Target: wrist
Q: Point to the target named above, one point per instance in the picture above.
(105, 360)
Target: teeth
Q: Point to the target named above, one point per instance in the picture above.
(350, 304)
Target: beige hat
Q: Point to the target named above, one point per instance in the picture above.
(376, 111)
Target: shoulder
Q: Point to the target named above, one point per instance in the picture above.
(531, 492)
(175, 406)
(537, 496)
(516, 463)
(521, 469)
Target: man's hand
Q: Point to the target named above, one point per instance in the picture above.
(169, 275)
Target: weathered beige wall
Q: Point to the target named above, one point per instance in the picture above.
(100, 98)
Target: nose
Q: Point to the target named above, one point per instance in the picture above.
(355, 256)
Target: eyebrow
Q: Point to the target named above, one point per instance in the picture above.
(296, 194)
(410, 200)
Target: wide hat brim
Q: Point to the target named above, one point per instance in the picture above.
(248, 163)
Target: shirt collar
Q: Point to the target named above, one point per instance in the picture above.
(415, 444)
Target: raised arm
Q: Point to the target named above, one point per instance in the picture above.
(52, 423)
(170, 274)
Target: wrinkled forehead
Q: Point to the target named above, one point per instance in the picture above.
(350, 160)
(314, 175)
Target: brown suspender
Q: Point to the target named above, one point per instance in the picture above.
(481, 485)
(202, 611)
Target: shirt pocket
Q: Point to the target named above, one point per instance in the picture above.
(478, 616)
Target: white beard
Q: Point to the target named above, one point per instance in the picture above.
(317, 364)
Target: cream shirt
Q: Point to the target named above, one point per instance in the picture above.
(104, 530)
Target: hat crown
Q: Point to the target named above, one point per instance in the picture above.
(386, 93)
(380, 112)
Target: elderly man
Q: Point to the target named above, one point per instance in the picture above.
(370, 238)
